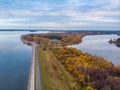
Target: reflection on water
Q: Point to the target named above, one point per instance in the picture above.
(118, 45)
(115, 41)
(15, 60)
(98, 45)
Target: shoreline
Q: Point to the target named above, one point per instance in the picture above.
(99, 62)
(31, 77)
(60, 45)
(96, 48)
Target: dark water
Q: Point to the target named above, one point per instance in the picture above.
(98, 45)
(15, 60)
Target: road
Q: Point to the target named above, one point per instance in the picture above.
(38, 81)
(31, 78)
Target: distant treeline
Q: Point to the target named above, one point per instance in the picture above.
(69, 31)
(92, 32)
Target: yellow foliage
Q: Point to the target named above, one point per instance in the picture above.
(89, 88)
(77, 64)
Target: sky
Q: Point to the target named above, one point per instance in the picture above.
(60, 14)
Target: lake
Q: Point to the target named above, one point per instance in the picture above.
(98, 45)
(15, 59)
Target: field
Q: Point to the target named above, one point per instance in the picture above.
(53, 74)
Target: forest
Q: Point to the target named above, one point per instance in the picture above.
(54, 39)
(91, 72)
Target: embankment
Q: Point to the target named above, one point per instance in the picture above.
(32, 72)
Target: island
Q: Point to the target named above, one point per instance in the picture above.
(115, 41)
(66, 68)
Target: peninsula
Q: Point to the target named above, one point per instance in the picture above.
(66, 68)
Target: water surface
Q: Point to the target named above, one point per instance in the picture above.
(15, 58)
(98, 45)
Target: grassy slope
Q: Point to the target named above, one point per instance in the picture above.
(35, 76)
(53, 74)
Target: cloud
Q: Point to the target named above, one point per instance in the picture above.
(61, 14)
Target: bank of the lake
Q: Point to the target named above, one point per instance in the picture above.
(98, 45)
(15, 60)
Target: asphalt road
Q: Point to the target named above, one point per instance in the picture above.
(32, 72)
(38, 81)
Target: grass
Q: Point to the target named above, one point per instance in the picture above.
(35, 76)
(53, 74)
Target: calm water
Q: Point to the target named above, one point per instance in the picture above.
(98, 45)
(15, 60)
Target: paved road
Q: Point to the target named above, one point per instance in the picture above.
(31, 78)
(38, 81)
